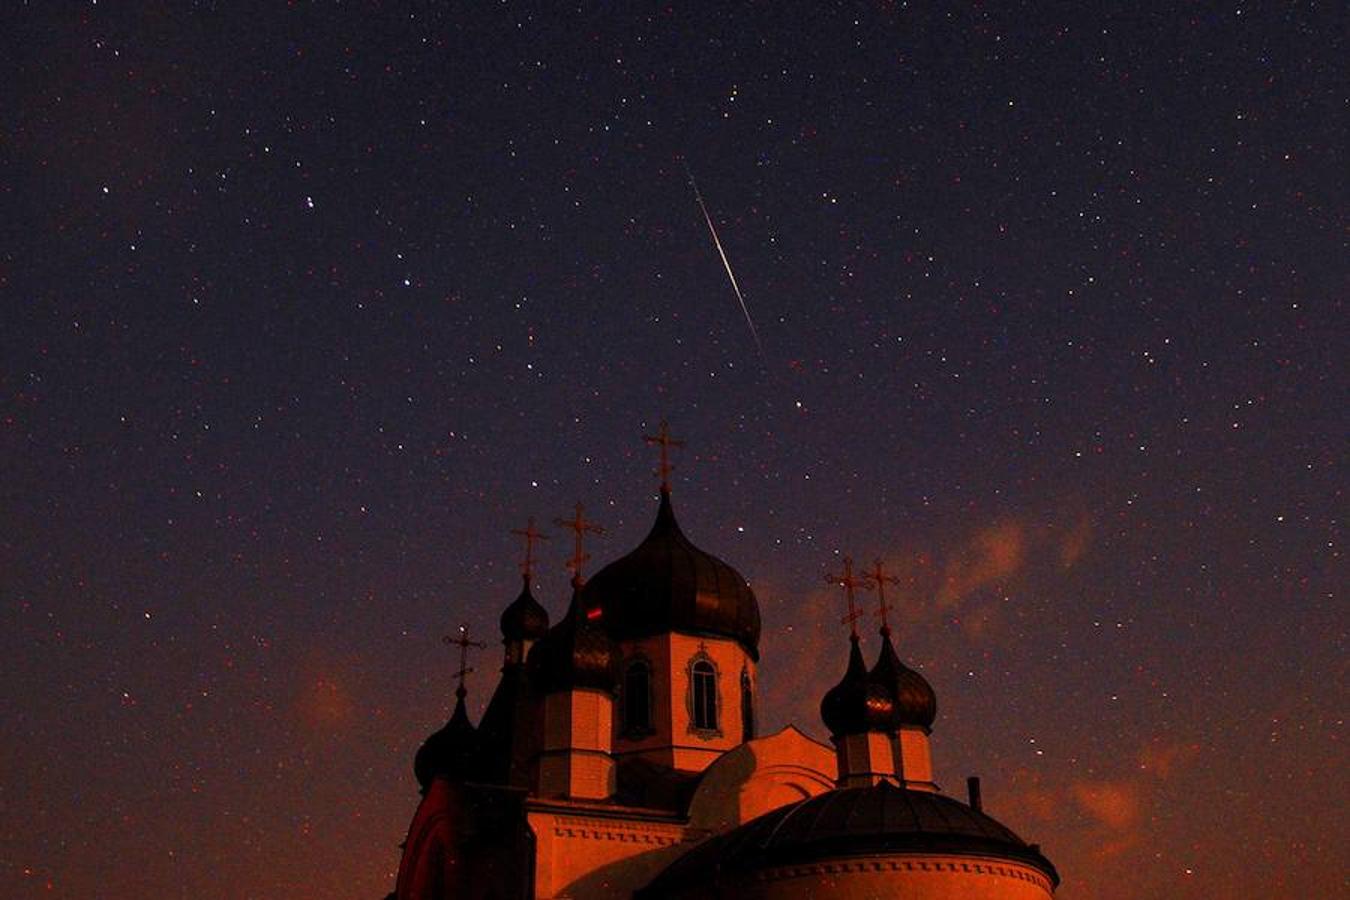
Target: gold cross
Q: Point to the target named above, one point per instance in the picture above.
(530, 536)
(877, 578)
(580, 526)
(664, 439)
(849, 582)
(464, 644)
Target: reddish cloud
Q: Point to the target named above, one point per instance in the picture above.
(1114, 804)
(994, 555)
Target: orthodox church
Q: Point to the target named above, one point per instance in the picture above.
(619, 758)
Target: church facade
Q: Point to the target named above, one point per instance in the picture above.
(619, 757)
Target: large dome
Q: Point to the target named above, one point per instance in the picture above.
(667, 584)
(881, 820)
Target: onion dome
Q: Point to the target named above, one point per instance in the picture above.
(879, 820)
(525, 619)
(667, 584)
(857, 704)
(915, 701)
(450, 752)
(575, 653)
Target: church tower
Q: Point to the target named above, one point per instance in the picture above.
(859, 710)
(573, 671)
(507, 735)
(915, 702)
(687, 626)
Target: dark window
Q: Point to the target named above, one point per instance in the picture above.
(637, 702)
(705, 695)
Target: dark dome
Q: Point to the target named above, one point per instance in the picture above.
(857, 704)
(879, 820)
(575, 653)
(915, 702)
(450, 752)
(524, 619)
(668, 584)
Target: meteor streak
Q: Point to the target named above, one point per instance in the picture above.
(717, 242)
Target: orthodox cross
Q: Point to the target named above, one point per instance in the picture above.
(665, 441)
(877, 578)
(530, 536)
(849, 582)
(580, 526)
(464, 643)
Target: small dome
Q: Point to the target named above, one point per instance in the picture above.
(857, 704)
(667, 584)
(575, 653)
(449, 752)
(525, 619)
(915, 701)
(880, 820)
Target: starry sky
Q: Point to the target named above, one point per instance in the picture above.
(304, 306)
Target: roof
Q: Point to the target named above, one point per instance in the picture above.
(882, 820)
(667, 584)
(858, 703)
(915, 702)
(575, 653)
(524, 618)
(450, 752)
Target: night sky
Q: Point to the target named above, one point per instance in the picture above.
(303, 308)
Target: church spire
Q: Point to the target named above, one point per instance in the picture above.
(452, 751)
(858, 710)
(530, 535)
(876, 577)
(580, 527)
(849, 582)
(663, 439)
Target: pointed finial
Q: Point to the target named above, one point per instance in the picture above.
(464, 643)
(579, 526)
(876, 577)
(665, 441)
(530, 536)
(849, 582)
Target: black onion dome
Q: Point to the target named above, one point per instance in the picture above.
(915, 701)
(575, 653)
(879, 820)
(857, 704)
(525, 619)
(449, 752)
(667, 584)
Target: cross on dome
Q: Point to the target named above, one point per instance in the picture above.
(530, 535)
(464, 643)
(876, 577)
(849, 582)
(580, 526)
(665, 441)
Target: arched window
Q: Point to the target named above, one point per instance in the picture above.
(637, 698)
(703, 687)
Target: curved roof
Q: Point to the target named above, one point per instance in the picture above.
(525, 618)
(667, 584)
(915, 701)
(449, 752)
(575, 653)
(881, 820)
(857, 704)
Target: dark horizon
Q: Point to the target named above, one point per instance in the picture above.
(306, 307)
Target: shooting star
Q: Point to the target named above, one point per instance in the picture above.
(754, 332)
